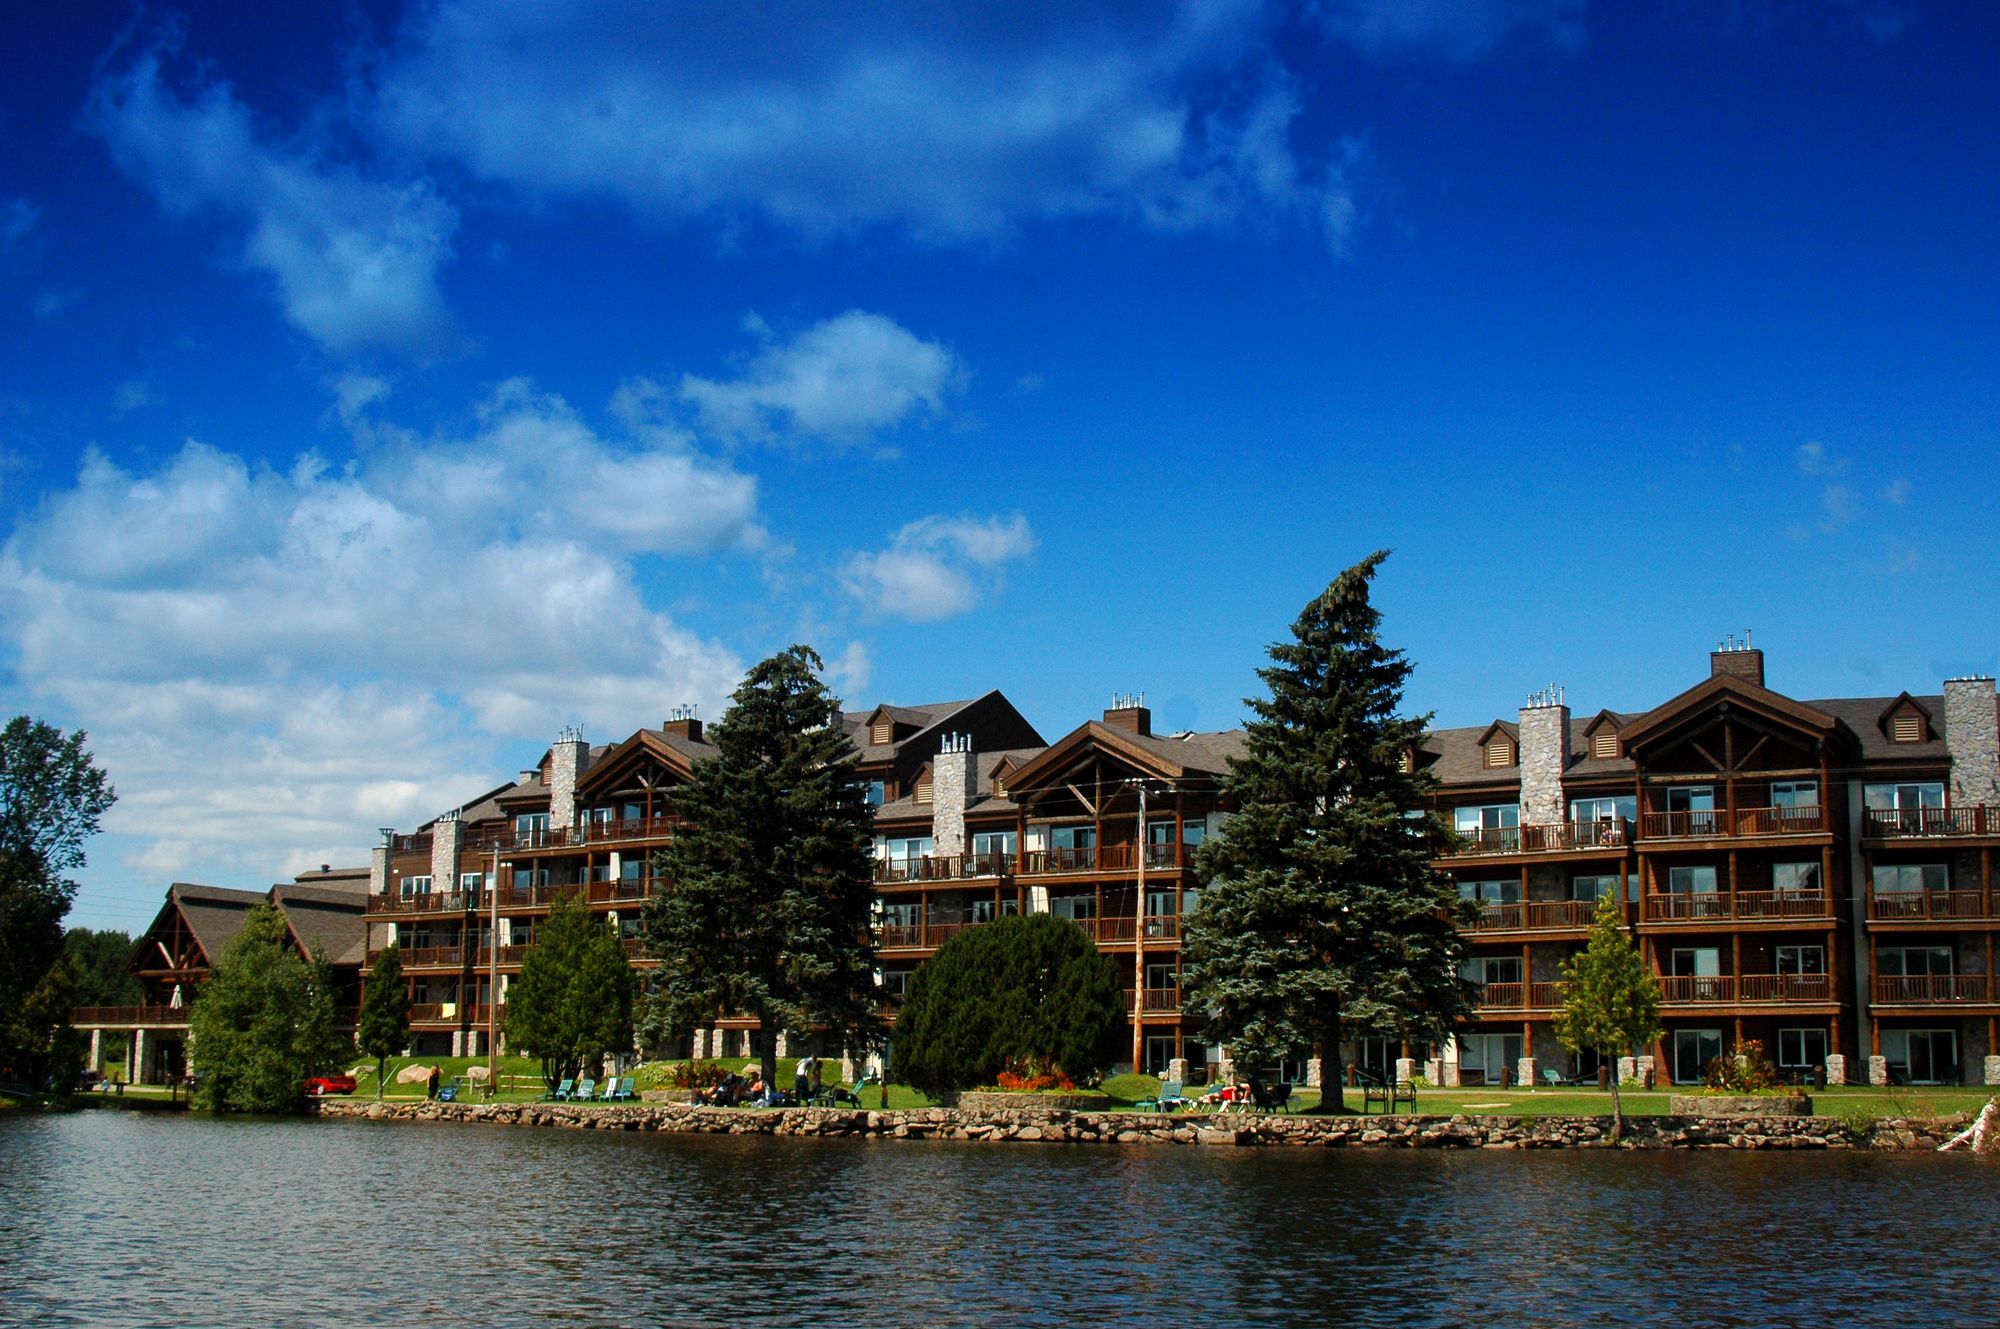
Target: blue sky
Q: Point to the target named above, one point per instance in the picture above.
(386, 387)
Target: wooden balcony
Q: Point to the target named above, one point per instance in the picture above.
(585, 836)
(1745, 989)
(1721, 825)
(129, 1017)
(1595, 837)
(944, 867)
(1737, 906)
(1156, 1001)
(453, 1013)
(1536, 915)
(1924, 906)
(1105, 858)
(1931, 989)
(1931, 823)
(1492, 998)
(1112, 929)
(431, 902)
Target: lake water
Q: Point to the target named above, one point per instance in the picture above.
(115, 1218)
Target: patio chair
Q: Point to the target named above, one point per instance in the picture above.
(833, 1095)
(1278, 1098)
(1166, 1100)
(1555, 1079)
(562, 1092)
(584, 1090)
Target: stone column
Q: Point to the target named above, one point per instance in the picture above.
(1406, 1068)
(1177, 1069)
(566, 762)
(1313, 1080)
(1225, 1068)
(951, 787)
(1992, 1070)
(1628, 1069)
(378, 870)
(847, 1068)
(1878, 1071)
(1448, 1077)
(1544, 756)
(1648, 1073)
(1972, 736)
(1836, 1068)
(1526, 1072)
(447, 834)
(458, 1043)
(780, 1045)
(142, 1056)
(1434, 1072)
(700, 1044)
(97, 1050)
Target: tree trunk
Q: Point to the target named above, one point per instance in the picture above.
(767, 1064)
(381, 1069)
(1332, 1085)
(1617, 1106)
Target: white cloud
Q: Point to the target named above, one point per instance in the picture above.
(849, 674)
(354, 258)
(1897, 493)
(841, 379)
(959, 126)
(131, 395)
(1813, 459)
(1454, 30)
(937, 566)
(271, 663)
(51, 303)
(19, 218)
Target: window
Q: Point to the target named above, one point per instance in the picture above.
(994, 842)
(1693, 807)
(1485, 1058)
(910, 847)
(1691, 880)
(1587, 810)
(895, 982)
(1499, 752)
(1795, 878)
(1921, 1056)
(531, 828)
(881, 732)
(416, 886)
(1493, 825)
(1693, 1050)
(472, 883)
(631, 868)
(1912, 877)
(1072, 837)
(1801, 959)
(1194, 832)
(1795, 794)
(1160, 976)
(1604, 744)
(876, 793)
(1913, 808)
(1491, 892)
(923, 789)
(899, 914)
(1073, 906)
(1914, 961)
(1907, 727)
(1593, 888)
(527, 877)
(1801, 1049)
(1696, 962)
(1485, 969)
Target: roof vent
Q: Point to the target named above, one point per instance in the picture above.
(1128, 712)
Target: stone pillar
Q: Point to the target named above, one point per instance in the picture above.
(780, 1046)
(1448, 1075)
(1878, 1071)
(1836, 1068)
(1313, 1080)
(566, 762)
(458, 1043)
(847, 1068)
(1406, 1068)
(1628, 1070)
(1177, 1069)
(951, 787)
(700, 1044)
(1434, 1072)
(1648, 1074)
(1972, 737)
(447, 834)
(378, 870)
(1544, 756)
(142, 1056)
(1526, 1072)
(97, 1050)
(1225, 1069)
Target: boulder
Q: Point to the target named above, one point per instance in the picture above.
(414, 1074)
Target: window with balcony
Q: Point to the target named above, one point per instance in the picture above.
(1160, 976)
(896, 982)
(1594, 888)
(1795, 878)
(631, 867)
(1801, 959)
(1488, 1058)
(1585, 811)
(532, 828)
(1691, 810)
(1491, 826)
(1693, 1050)
(472, 883)
(1482, 970)
(1072, 837)
(1073, 906)
(899, 914)
(1795, 794)
(1491, 892)
(525, 878)
(1914, 961)
(1801, 1049)
(1921, 1056)
(1695, 962)
(416, 886)
(1691, 880)
(1891, 877)
(1909, 808)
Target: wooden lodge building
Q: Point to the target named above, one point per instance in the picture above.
(1817, 876)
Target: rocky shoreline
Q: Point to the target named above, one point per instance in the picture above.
(1062, 1126)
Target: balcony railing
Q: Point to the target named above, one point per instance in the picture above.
(1105, 858)
(430, 902)
(1156, 1001)
(86, 1016)
(1930, 989)
(447, 1012)
(1556, 837)
(1912, 823)
(1683, 906)
(1744, 989)
(1717, 823)
(944, 867)
(1917, 906)
(1783, 904)
(1517, 916)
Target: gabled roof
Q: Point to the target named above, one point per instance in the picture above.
(330, 920)
(980, 799)
(1901, 701)
(1719, 688)
(674, 753)
(1171, 758)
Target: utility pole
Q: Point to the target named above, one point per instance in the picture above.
(1139, 945)
(493, 976)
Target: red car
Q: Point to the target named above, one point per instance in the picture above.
(330, 1084)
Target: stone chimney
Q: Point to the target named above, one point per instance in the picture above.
(1737, 659)
(1972, 737)
(566, 762)
(447, 835)
(951, 789)
(1544, 758)
(1128, 712)
(378, 869)
(682, 724)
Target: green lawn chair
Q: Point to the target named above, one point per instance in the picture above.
(623, 1090)
(584, 1090)
(563, 1092)
(1166, 1100)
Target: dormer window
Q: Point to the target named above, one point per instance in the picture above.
(881, 732)
(1407, 763)
(923, 789)
(1908, 727)
(1499, 752)
(999, 785)
(1604, 745)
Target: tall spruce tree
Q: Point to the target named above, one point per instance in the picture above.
(263, 1023)
(1611, 1001)
(573, 1000)
(765, 900)
(1320, 915)
(384, 1026)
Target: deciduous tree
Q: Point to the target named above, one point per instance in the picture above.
(1610, 1002)
(573, 1000)
(765, 899)
(1320, 914)
(1032, 993)
(263, 1023)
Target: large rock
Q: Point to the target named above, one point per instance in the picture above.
(1740, 1105)
(414, 1074)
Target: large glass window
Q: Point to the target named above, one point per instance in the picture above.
(1487, 819)
(1073, 837)
(1073, 906)
(994, 842)
(875, 792)
(1801, 959)
(1795, 878)
(1691, 880)
(1912, 877)
(1693, 1050)
(1603, 809)
(909, 847)
(1491, 892)
(1593, 888)
(1484, 969)
(416, 886)
(531, 828)
(1903, 797)
(1921, 1056)
(1795, 794)
(1914, 961)
(1801, 1049)
(1695, 804)
(1485, 1058)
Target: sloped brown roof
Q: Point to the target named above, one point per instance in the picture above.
(331, 921)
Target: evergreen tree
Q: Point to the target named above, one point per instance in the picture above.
(51, 797)
(384, 1026)
(263, 1023)
(1320, 915)
(103, 963)
(573, 1000)
(765, 906)
(1029, 993)
(1611, 1002)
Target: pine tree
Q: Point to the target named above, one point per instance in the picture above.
(765, 906)
(263, 1023)
(1029, 993)
(1611, 1002)
(1320, 914)
(385, 1013)
(573, 999)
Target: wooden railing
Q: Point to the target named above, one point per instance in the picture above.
(1930, 989)
(1501, 997)
(1554, 837)
(1744, 989)
(1104, 858)
(431, 902)
(1919, 905)
(1783, 904)
(1520, 915)
(1156, 1000)
(944, 867)
(87, 1016)
(1906, 823)
(1682, 906)
(445, 1012)
(1716, 823)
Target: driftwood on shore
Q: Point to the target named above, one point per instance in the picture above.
(1983, 1135)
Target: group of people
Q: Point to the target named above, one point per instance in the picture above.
(734, 1090)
